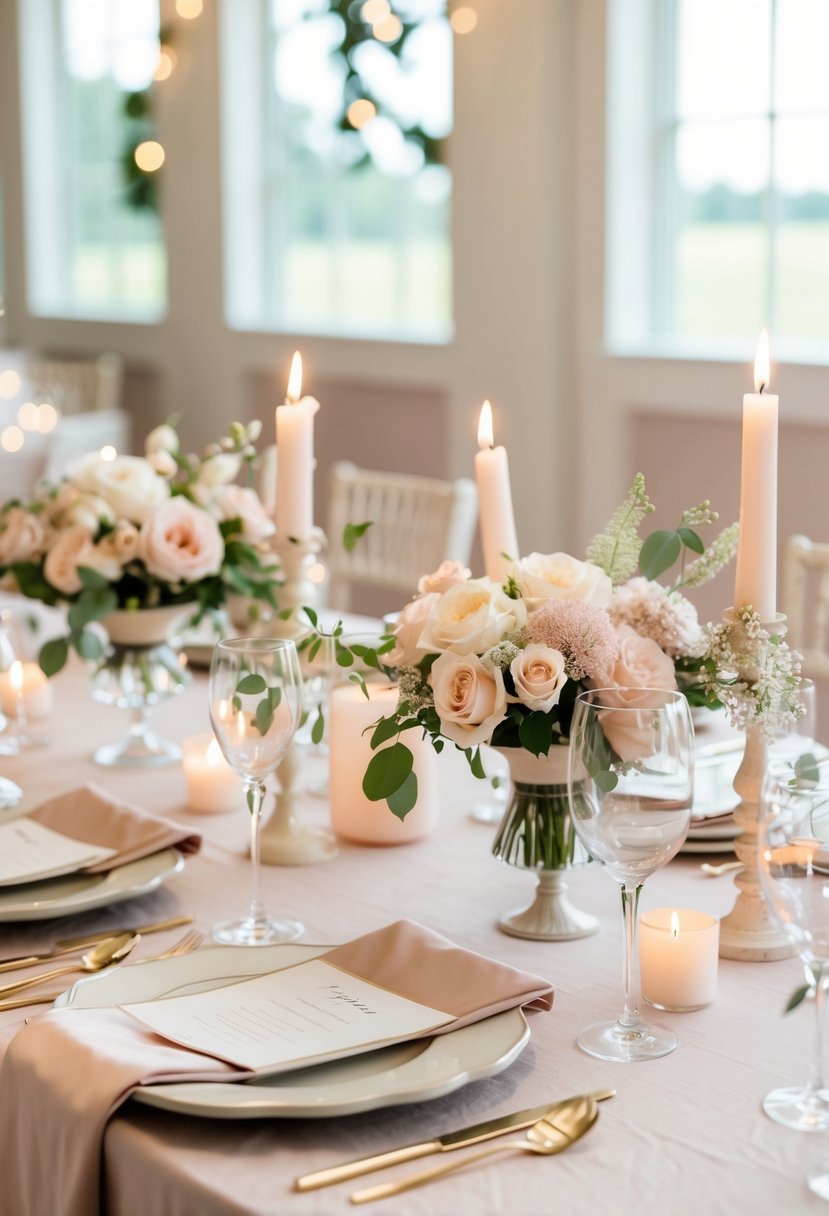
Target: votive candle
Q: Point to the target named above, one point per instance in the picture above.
(26, 684)
(678, 957)
(212, 785)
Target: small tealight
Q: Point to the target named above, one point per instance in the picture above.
(26, 683)
(678, 957)
(212, 785)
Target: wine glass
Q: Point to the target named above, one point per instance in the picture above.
(793, 844)
(631, 785)
(791, 740)
(255, 707)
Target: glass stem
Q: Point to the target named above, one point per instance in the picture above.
(630, 1019)
(816, 1079)
(255, 795)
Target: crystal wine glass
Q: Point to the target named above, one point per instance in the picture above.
(793, 844)
(255, 707)
(631, 784)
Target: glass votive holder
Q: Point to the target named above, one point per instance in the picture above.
(678, 958)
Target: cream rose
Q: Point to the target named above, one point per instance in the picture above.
(472, 616)
(538, 675)
(238, 502)
(121, 544)
(162, 438)
(640, 668)
(446, 576)
(407, 631)
(180, 543)
(128, 483)
(22, 536)
(162, 463)
(89, 511)
(72, 548)
(220, 469)
(545, 576)
(470, 701)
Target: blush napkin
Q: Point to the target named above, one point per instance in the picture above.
(93, 815)
(70, 1069)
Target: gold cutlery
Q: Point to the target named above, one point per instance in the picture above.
(91, 939)
(561, 1127)
(185, 945)
(77, 943)
(725, 868)
(36, 998)
(478, 1132)
(109, 951)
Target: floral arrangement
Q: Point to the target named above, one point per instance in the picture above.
(481, 662)
(140, 532)
(754, 673)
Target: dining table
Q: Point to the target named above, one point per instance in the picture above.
(683, 1134)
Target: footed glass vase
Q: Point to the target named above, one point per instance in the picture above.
(139, 669)
(537, 833)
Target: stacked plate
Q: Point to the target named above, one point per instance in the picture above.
(713, 829)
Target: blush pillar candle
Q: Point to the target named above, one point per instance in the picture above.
(28, 683)
(678, 957)
(352, 814)
(756, 575)
(498, 535)
(212, 785)
(295, 459)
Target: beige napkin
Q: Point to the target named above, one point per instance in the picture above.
(70, 1069)
(93, 815)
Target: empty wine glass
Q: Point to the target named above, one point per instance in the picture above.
(631, 786)
(255, 707)
(793, 844)
(799, 736)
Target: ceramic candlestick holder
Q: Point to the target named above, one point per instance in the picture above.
(749, 932)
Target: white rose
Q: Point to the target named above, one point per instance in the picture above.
(470, 701)
(181, 543)
(89, 511)
(640, 668)
(220, 469)
(544, 576)
(538, 675)
(162, 462)
(72, 548)
(408, 629)
(472, 616)
(447, 575)
(161, 439)
(128, 483)
(239, 502)
(22, 536)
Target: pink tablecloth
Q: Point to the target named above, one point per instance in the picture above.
(684, 1135)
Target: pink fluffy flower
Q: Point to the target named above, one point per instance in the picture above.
(581, 631)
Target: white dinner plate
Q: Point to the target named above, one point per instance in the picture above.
(73, 893)
(404, 1072)
(714, 831)
(708, 846)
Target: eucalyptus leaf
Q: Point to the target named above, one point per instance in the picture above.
(357, 679)
(798, 996)
(384, 730)
(404, 799)
(658, 553)
(53, 656)
(536, 732)
(352, 533)
(250, 685)
(263, 717)
(318, 729)
(386, 772)
(691, 540)
(88, 645)
(606, 781)
(92, 578)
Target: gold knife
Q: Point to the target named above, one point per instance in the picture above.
(40, 998)
(441, 1144)
(89, 939)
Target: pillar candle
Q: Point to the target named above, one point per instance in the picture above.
(35, 690)
(352, 814)
(295, 459)
(212, 785)
(756, 576)
(678, 957)
(498, 534)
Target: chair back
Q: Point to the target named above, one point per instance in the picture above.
(417, 522)
(806, 602)
(75, 386)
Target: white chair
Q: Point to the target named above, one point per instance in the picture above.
(806, 602)
(417, 522)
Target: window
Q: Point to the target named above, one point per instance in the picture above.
(738, 214)
(91, 251)
(337, 192)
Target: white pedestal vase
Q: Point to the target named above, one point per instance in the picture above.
(536, 833)
(138, 670)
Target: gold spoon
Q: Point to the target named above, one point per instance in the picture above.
(556, 1132)
(112, 950)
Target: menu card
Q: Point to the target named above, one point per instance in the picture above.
(289, 1019)
(29, 852)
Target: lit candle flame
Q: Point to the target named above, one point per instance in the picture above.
(295, 379)
(762, 372)
(486, 438)
(240, 724)
(674, 924)
(214, 755)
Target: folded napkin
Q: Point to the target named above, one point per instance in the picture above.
(70, 1069)
(93, 815)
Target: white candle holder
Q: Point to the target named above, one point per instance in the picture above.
(285, 841)
(749, 931)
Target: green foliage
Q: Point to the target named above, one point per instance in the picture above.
(798, 996)
(386, 772)
(53, 656)
(404, 798)
(658, 553)
(251, 684)
(353, 532)
(616, 549)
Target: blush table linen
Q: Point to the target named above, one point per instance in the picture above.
(685, 1135)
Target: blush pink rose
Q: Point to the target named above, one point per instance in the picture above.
(470, 701)
(640, 668)
(538, 674)
(447, 574)
(244, 504)
(407, 631)
(180, 543)
(22, 536)
(73, 547)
